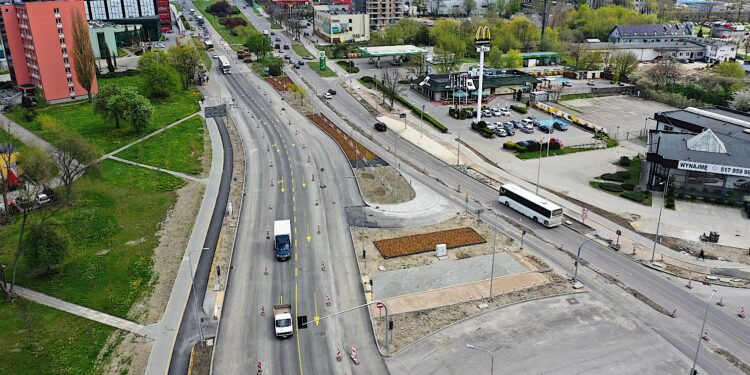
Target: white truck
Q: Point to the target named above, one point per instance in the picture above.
(282, 320)
(224, 65)
(265, 32)
(282, 243)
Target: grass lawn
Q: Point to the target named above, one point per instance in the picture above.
(111, 229)
(6, 137)
(178, 149)
(635, 174)
(40, 340)
(234, 41)
(315, 65)
(300, 50)
(561, 151)
(176, 5)
(582, 96)
(80, 116)
(121, 52)
(276, 26)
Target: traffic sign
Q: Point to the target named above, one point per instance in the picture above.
(215, 111)
(379, 305)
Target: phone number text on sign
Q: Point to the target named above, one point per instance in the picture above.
(713, 168)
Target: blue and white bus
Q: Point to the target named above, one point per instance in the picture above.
(531, 205)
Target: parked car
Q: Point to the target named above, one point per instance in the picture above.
(327, 96)
(527, 128)
(561, 126)
(273, 33)
(331, 91)
(591, 82)
(215, 55)
(286, 46)
(509, 128)
(555, 142)
(308, 58)
(546, 128)
(532, 143)
(277, 39)
(522, 144)
(42, 199)
(500, 132)
(379, 126)
(486, 113)
(527, 121)
(504, 112)
(567, 84)
(492, 125)
(495, 111)
(517, 124)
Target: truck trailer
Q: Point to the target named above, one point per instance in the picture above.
(282, 244)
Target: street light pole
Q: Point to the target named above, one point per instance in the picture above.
(492, 356)
(700, 334)
(539, 169)
(494, 249)
(421, 121)
(578, 255)
(658, 222)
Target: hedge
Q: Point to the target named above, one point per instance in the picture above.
(519, 108)
(615, 188)
(612, 177)
(628, 186)
(487, 133)
(510, 145)
(637, 196)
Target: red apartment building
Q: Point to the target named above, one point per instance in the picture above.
(38, 35)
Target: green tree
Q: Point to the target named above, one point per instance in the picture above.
(469, 6)
(741, 100)
(494, 57)
(185, 59)
(512, 7)
(110, 102)
(158, 76)
(449, 52)
(730, 69)
(511, 60)
(73, 156)
(258, 44)
(622, 64)
(138, 112)
(45, 247)
(525, 31)
(82, 54)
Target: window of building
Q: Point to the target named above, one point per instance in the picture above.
(67, 70)
(70, 81)
(64, 51)
(56, 10)
(66, 61)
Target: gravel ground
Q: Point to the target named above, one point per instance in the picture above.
(712, 250)
(375, 191)
(410, 327)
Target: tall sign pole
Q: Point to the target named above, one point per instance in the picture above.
(483, 41)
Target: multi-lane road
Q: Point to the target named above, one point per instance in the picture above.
(285, 139)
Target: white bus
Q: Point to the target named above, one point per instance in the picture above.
(535, 207)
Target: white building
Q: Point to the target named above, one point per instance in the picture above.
(336, 25)
(694, 49)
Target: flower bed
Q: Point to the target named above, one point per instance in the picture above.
(349, 145)
(419, 243)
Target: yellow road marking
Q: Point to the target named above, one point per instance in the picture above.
(316, 317)
(281, 300)
(295, 243)
(295, 253)
(304, 184)
(309, 237)
(295, 218)
(296, 271)
(299, 348)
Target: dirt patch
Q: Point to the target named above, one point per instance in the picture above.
(411, 326)
(374, 259)
(200, 360)
(378, 187)
(279, 83)
(353, 150)
(711, 250)
(419, 243)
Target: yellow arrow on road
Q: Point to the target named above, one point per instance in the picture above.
(304, 184)
(282, 186)
(309, 237)
(316, 317)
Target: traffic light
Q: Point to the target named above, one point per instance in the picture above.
(390, 325)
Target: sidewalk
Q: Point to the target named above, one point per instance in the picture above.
(24, 135)
(84, 312)
(173, 173)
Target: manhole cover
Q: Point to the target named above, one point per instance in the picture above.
(322, 333)
(572, 301)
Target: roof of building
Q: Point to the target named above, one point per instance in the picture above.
(537, 55)
(703, 147)
(406, 49)
(667, 29)
(441, 82)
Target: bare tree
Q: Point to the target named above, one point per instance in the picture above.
(665, 74)
(38, 169)
(83, 54)
(5, 159)
(391, 84)
(73, 157)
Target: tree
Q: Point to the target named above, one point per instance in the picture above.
(138, 112)
(511, 60)
(157, 74)
(584, 59)
(415, 66)
(469, 6)
(39, 168)
(45, 247)
(392, 86)
(730, 69)
(111, 102)
(185, 59)
(665, 74)
(700, 32)
(5, 158)
(108, 57)
(741, 100)
(72, 156)
(83, 54)
(622, 64)
(258, 44)
(524, 31)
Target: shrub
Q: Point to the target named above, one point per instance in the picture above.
(521, 149)
(612, 177)
(487, 133)
(232, 22)
(29, 114)
(623, 174)
(637, 196)
(554, 146)
(519, 109)
(220, 9)
(510, 145)
(628, 186)
(615, 188)
(624, 161)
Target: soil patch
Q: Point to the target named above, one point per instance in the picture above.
(419, 243)
(410, 327)
(353, 150)
(711, 250)
(378, 187)
(200, 361)
(279, 83)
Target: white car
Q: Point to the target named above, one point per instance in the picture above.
(328, 95)
(504, 112)
(491, 125)
(486, 113)
(216, 55)
(496, 112)
(42, 199)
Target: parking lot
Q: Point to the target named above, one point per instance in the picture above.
(623, 114)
